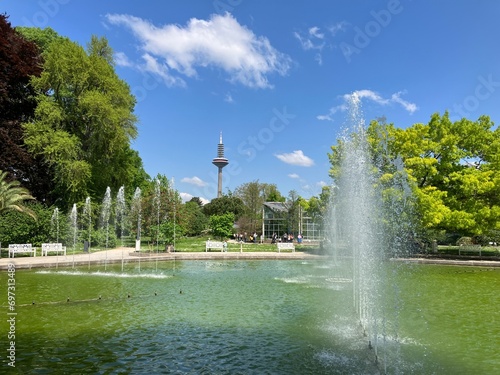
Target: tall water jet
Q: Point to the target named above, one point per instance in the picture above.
(73, 218)
(157, 205)
(87, 216)
(360, 239)
(135, 212)
(120, 212)
(54, 223)
(175, 211)
(120, 215)
(105, 215)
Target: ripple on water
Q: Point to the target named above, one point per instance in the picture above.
(109, 274)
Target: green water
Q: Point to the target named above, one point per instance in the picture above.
(248, 317)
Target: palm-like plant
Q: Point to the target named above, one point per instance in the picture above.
(12, 196)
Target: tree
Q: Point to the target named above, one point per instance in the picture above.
(456, 168)
(159, 204)
(84, 120)
(195, 220)
(223, 205)
(272, 194)
(12, 196)
(452, 168)
(253, 195)
(19, 60)
(41, 37)
(222, 225)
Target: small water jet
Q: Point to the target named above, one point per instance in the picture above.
(54, 224)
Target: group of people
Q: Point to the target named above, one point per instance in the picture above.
(243, 237)
(287, 237)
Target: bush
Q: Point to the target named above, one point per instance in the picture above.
(492, 236)
(16, 227)
(465, 241)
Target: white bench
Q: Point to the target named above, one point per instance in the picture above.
(53, 248)
(286, 246)
(214, 245)
(469, 248)
(21, 248)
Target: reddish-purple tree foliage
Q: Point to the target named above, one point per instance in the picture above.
(19, 60)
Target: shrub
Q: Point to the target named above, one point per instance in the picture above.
(465, 241)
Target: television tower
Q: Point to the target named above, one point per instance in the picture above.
(220, 162)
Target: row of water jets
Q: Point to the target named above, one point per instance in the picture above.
(120, 216)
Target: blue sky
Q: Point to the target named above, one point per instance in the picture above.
(272, 76)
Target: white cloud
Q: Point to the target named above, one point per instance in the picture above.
(293, 175)
(194, 181)
(296, 158)
(410, 107)
(173, 50)
(229, 98)
(371, 96)
(339, 26)
(313, 40)
(316, 39)
(122, 60)
(186, 197)
(314, 31)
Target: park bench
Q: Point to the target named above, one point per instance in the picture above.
(469, 249)
(21, 248)
(53, 248)
(286, 246)
(214, 245)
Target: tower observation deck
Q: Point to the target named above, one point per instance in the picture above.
(220, 162)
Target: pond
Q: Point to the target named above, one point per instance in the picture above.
(248, 317)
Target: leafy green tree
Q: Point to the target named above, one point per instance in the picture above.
(170, 231)
(223, 205)
(13, 196)
(451, 168)
(84, 120)
(41, 37)
(221, 226)
(253, 195)
(195, 220)
(272, 194)
(456, 168)
(160, 202)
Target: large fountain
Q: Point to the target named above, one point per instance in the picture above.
(363, 238)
